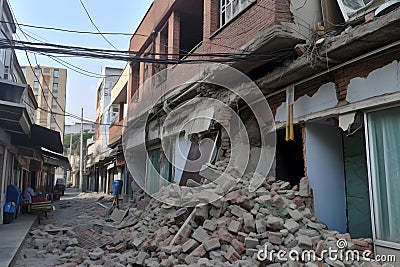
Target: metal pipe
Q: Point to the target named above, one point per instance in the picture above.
(102, 205)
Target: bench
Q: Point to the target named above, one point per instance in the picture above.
(41, 208)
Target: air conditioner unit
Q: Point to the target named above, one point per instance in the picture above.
(351, 9)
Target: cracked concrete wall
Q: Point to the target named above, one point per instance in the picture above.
(306, 15)
(381, 81)
(323, 99)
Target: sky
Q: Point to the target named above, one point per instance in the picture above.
(109, 16)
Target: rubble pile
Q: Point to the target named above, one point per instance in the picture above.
(234, 229)
(242, 228)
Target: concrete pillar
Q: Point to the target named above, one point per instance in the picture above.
(107, 178)
(174, 31)
(211, 17)
(3, 184)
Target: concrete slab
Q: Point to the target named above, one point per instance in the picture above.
(12, 235)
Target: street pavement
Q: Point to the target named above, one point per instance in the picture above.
(12, 236)
(42, 247)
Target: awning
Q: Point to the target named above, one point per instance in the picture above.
(46, 138)
(55, 159)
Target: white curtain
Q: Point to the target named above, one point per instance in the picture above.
(384, 139)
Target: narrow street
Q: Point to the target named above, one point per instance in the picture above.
(54, 242)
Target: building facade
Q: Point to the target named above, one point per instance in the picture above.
(336, 73)
(76, 128)
(29, 153)
(99, 162)
(49, 85)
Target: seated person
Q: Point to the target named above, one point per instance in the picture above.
(28, 194)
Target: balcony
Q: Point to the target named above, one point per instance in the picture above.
(119, 91)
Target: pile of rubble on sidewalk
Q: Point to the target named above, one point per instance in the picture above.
(240, 229)
(232, 231)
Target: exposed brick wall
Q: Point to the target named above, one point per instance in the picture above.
(211, 17)
(275, 101)
(360, 69)
(340, 77)
(246, 26)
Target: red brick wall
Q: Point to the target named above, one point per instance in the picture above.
(340, 77)
(247, 25)
(362, 69)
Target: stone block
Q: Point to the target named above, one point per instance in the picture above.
(275, 223)
(200, 234)
(249, 223)
(211, 244)
(237, 211)
(210, 225)
(304, 242)
(231, 255)
(251, 242)
(291, 225)
(234, 226)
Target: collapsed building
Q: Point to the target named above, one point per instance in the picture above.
(329, 71)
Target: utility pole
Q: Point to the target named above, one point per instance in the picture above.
(81, 157)
(70, 156)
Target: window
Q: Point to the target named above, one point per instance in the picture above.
(37, 73)
(384, 150)
(54, 102)
(56, 73)
(35, 84)
(231, 8)
(349, 7)
(55, 86)
(6, 72)
(114, 114)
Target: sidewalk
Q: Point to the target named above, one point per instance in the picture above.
(11, 237)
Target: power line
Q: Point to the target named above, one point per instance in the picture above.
(98, 30)
(41, 86)
(136, 56)
(67, 64)
(65, 114)
(67, 30)
(29, 61)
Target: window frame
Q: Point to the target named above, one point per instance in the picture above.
(372, 190)
(56, 73)
(54, 102)
(224, 5)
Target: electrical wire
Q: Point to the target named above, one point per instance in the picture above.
(65, 113)
(68, 30)
(127, 55)
(66, 64)
(94, 25)
(42, 90)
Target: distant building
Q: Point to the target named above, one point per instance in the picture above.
(99, 151)
(49, 86)
(76, 128)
